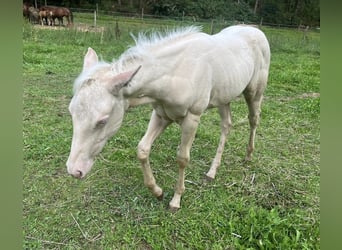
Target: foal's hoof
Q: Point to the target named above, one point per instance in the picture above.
(208, 178)
(160, 197)
(173, 209)
(247, 159)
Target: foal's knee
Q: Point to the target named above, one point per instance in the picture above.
(226, 126)
(142, 152)
(254, 120)
(183, 161)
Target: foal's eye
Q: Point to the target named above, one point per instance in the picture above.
(100, 123)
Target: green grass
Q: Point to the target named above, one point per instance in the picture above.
(270, 203)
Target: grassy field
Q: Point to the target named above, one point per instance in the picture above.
(270, 203)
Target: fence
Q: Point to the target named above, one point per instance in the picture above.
(187, 19)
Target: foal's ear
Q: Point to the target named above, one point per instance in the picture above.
(90, 59)
(122, 80)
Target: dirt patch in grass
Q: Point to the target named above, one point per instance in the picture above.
(302, 96)
(77, 26)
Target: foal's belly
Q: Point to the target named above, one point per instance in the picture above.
(173, 113)
(224, 96)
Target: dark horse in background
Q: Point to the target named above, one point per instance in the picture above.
(30, 13)
(53, 12)
(26, 12)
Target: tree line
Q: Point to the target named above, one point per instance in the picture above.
(286, 12)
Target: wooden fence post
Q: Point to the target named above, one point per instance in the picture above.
(117, 30)
(212, 27)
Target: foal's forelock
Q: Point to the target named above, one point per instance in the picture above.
(85, 76)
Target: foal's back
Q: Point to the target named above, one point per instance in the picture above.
(221, 66)
(242, 58)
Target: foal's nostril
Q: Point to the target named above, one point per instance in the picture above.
(78, 174)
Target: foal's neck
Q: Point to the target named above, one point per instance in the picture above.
(139, 91)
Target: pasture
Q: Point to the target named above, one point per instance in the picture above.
(271, 202)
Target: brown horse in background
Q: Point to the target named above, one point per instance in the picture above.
(45, 15)
(53, 12)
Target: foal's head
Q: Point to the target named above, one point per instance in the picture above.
(97, 109)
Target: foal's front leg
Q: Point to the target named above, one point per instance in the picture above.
(189, 126)
(155, 127)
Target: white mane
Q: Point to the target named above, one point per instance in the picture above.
(157, 38)
(143, 40)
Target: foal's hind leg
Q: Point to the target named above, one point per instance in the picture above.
(226, 124)
(254, 100)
